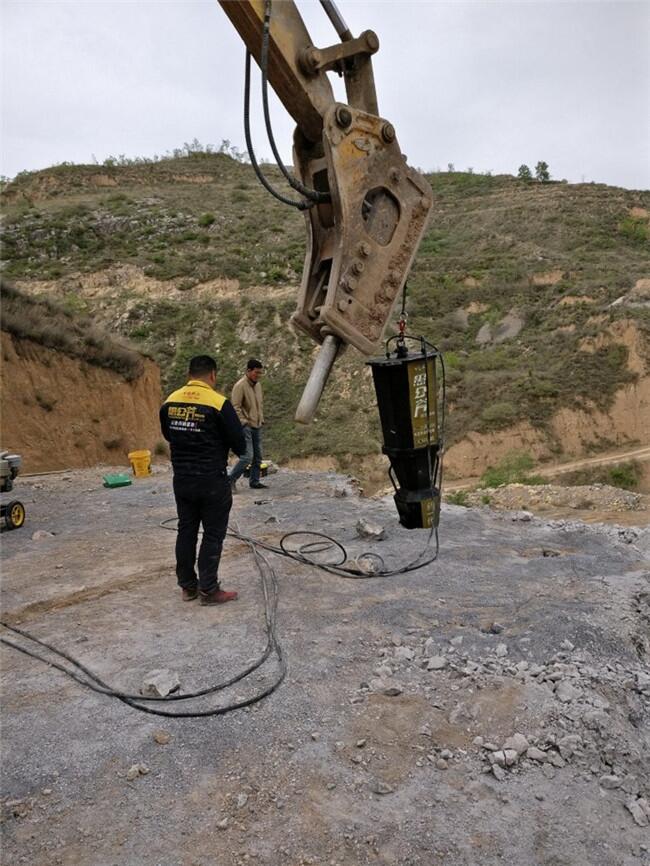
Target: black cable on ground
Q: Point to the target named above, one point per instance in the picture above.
(96, 684)
(268, 579)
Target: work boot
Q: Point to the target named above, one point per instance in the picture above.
(189, 594)
(217, 596)
(257, 485)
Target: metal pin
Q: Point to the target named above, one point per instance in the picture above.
(317, 379)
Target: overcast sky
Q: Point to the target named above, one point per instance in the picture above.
(486, 85)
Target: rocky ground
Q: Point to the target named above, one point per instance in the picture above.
(492, 707)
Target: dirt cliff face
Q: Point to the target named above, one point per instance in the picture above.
(571, 432)
(60, 412)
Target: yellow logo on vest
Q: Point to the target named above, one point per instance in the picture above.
(186, 413)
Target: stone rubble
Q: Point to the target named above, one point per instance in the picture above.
(515, 497)
(585, 705)
(135, 771)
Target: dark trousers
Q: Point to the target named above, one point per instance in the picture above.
(201, 500)
(252, 457)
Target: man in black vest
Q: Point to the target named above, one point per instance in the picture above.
(201, 427)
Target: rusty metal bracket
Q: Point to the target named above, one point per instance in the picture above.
(314, 60)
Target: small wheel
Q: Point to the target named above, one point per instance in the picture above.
(14, 514)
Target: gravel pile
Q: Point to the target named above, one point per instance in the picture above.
(582, 711)
(600, 497)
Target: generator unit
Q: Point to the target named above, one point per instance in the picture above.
(12, 513)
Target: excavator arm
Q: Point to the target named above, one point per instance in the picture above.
(365, 230)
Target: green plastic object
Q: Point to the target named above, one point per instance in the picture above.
(117, 480)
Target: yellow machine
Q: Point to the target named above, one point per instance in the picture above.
(366, 210)
(11, 513)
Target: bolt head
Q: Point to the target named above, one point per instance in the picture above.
(364, 249)
(343, 116)
(358, 266)
(372, 40)
(312, 58)
(393, 278)
(388, 132)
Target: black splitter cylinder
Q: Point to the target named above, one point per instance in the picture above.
(406, 388)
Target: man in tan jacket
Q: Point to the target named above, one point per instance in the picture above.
(248, 403)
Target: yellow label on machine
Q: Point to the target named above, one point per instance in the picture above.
(426, 507)
(425, 425)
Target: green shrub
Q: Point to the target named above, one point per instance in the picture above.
(499, 413)
(206, 219)
(625, 475)
(512, 469)
(47, 324)
(635, 230)
(459, 497)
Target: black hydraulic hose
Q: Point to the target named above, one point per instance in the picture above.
(312, 194)
(336, 569)
(300, 205)
(96, 684)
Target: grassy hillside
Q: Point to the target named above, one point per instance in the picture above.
(48, 324)
(510, 281)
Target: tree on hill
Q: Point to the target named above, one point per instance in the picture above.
(524, 173)
(541, 172)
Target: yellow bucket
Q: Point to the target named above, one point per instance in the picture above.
(140, 463)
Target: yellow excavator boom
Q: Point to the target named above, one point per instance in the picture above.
(365, 226)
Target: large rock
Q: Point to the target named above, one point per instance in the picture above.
(565, 692)
(370, 531)
(517, 742)
(160, 683)
(640, 811)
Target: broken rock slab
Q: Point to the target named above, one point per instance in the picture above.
(160, 683)
(565, 692)
(135, 771)
(162, 737)
(640, 811)
(536, 754)
(404, 653)
(517, 742)
(503, 757)
(379, 787)
(370, 531)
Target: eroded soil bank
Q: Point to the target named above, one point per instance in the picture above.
(60, 412)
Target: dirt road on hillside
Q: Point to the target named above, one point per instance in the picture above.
(640, 454)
